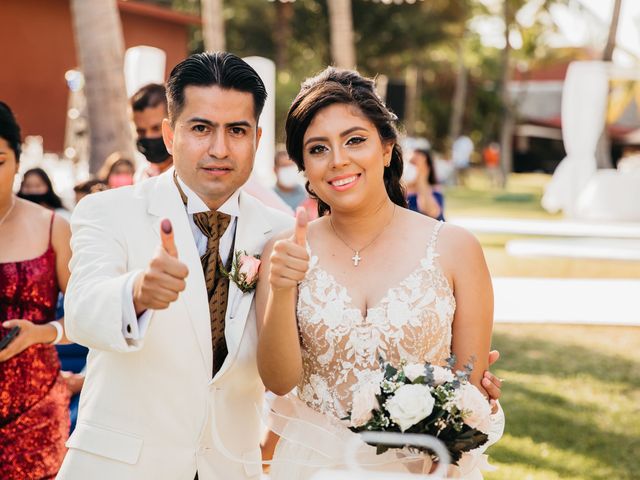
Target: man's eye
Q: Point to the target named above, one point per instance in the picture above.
(317, 149)
(356, 140)
(238, 131)
(199, 128)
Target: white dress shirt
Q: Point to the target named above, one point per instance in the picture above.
(134, 327)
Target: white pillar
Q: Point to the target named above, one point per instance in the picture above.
(263, 167)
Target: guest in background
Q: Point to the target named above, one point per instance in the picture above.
(34, 258)
(424, 194)
(117, 171)
(288, 185)
(149, 105)
(461, 152)
(491, 158)
(36, 187)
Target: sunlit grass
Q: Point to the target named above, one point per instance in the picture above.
(572, 400)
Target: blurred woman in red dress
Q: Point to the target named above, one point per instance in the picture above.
(34, 254)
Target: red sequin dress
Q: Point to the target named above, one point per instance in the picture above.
(34, 400)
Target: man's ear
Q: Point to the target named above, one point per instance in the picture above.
(258, 136)
(167, 135)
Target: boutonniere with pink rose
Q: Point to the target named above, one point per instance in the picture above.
(244, 271)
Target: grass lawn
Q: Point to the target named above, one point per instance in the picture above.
(572, 401)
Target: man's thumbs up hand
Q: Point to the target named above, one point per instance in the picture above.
(166, 235)
(289, 258)
(163, 280)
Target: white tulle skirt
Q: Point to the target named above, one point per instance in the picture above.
(312, 443)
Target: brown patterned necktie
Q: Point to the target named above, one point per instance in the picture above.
(213, 224)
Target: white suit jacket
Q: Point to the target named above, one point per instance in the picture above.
(148, 407)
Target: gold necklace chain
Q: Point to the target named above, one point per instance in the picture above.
(356, 257)
(13, 204)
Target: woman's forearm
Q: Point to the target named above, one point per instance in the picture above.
(279, 355)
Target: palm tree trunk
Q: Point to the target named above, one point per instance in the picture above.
(507, 127)
(411, 99)
(283, 33)
(459, 98)
(603, 148)
(213, 25)
(607, 55)
(343, 51)
(100, 47)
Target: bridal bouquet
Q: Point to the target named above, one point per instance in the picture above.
(424, 399)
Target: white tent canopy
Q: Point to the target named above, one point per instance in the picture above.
(578, 188)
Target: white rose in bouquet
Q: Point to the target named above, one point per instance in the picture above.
(442, 375)
(409, 405)
(414, 370)
(477, 409)
(364, 401)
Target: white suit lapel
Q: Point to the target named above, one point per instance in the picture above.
(165, 202)
(251, 234)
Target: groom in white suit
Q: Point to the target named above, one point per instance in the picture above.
(172, 341)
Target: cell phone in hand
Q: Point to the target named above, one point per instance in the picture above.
(8, 338)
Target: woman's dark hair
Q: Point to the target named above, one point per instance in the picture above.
(50, 199)
(208, 69)
(433, 178)
(335, 86)
(10, 130)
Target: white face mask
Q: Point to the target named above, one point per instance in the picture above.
(288, 176)
(409, 173)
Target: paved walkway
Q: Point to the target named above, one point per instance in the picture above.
(565, 228)
(560, 300)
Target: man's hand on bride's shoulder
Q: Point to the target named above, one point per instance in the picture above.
(163, 280)
(289, 258)
(492, 384)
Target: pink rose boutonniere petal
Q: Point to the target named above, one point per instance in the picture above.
(244, 271)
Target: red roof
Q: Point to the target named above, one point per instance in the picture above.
(155, 11)
(554, 72)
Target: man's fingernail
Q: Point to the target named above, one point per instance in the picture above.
(166, 226)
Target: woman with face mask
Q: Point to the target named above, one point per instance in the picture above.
(288, 181)
(423, 190)
(36, 187)
(117, 171)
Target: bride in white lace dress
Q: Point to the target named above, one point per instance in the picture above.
(368, 279)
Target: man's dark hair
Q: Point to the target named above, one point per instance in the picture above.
(149, 96)
(90, 186)
(10, 130)
(223, 69)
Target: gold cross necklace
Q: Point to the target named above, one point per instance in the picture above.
(356, 252)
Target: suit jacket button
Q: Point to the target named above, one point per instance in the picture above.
(128, 328)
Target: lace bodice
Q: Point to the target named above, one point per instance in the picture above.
(341, 347)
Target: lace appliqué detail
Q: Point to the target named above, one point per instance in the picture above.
(341, 347)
